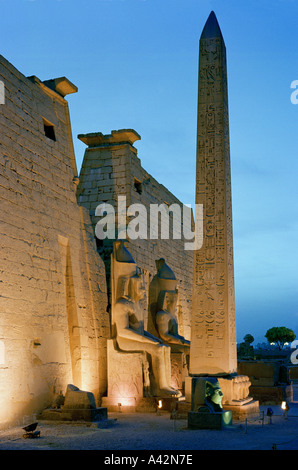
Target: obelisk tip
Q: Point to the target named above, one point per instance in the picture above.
(211, 28)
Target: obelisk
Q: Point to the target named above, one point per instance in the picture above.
(213, 335)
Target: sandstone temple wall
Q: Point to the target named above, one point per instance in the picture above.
(53, 297)
(54, 273)
(111, 168)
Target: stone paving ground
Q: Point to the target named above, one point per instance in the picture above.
(140, 432)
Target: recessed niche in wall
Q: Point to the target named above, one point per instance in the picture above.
(138, 186)
(49, 129)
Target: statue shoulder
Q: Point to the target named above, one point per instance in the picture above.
(162, 315)
(124, 303)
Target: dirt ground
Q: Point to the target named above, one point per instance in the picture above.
(152, 432)
(138, 432)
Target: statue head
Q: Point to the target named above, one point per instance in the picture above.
(136, 286)
(167, 300)
(127, 276)
(132, 286)
(165, 276)
(213, 395)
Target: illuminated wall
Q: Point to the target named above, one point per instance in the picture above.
(53, 299)
(112, 168)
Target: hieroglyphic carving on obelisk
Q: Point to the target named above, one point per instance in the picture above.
(213, 341)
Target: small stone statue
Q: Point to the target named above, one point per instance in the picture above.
(213, 397)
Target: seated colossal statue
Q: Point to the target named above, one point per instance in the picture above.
(163, 306)
(128, 321)
(163, 323)
(166, 322)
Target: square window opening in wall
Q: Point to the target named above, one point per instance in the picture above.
(138, 185)
(49, 129)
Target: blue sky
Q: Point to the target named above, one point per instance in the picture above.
(135, 63)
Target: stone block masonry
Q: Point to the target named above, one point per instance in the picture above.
(112, 168)
(53, 296)
(54, 273)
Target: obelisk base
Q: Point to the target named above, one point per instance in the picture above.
(244, 411)
(236, 397)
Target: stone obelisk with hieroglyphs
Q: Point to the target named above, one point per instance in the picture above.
(213, 334)
(213, 340)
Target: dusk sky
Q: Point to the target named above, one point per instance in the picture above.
(135, 63)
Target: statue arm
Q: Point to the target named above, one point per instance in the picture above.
(121, 318)
(162, 323)
(149, 335)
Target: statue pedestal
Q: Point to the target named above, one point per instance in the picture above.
(131, 387)
(206, 420)
(128, 381)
